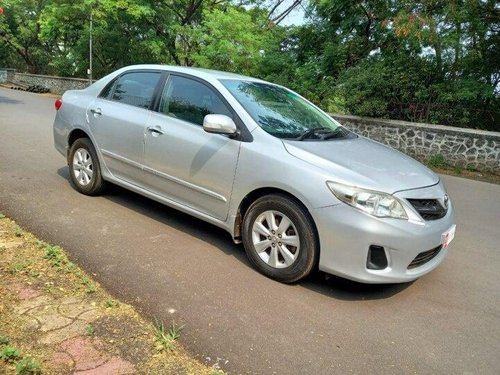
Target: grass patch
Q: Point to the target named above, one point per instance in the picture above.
(18, 264)
(27, 366)
(436, 161)
(111, 303)
(10, 354)
(18, 231)
(58, 259)
(89, 285)
(89, 329)
(165, 340)
(55, 256)
(438, 164)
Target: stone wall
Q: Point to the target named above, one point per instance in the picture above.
(460, 147)
(6, 75)
(56, 85)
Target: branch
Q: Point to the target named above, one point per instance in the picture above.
(280, 17)
(278, 3)
(15, 46)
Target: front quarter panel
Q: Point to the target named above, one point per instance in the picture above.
(265, 163)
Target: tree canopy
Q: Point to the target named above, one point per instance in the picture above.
(435, 61)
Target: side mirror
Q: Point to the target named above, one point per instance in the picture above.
(220, 124)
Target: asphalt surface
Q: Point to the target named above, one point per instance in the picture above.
(172, 266)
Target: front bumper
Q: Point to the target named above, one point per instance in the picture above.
(346, 234)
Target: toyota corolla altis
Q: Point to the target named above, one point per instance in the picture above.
(298, 189)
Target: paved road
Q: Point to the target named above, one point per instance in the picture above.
(159, 259)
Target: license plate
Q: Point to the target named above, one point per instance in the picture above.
(448, 236)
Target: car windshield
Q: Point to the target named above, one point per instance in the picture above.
(281, 112)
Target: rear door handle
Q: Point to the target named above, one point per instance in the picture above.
(155, 130)
(96, 112)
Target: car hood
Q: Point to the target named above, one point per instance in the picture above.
(364, 163)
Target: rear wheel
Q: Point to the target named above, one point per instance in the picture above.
(84, 169)
(279, 238)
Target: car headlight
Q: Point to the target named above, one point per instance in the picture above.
(375, 203)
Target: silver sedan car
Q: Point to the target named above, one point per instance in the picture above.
(298, 189)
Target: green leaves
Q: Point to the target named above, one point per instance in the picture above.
(27, 366)
(10, 354)
(231, 40)
(434, 61)
(165, 339)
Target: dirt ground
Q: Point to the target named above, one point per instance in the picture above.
(54, 319)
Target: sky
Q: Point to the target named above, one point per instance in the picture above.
(296, 17)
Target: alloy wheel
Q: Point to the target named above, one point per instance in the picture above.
(82, 167)
(275, 239)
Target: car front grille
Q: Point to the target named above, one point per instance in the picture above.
(424, 257)
(429, 209)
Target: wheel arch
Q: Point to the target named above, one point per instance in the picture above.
(75, 134)
(251, 197)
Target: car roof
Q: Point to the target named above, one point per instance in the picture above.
(199, 72)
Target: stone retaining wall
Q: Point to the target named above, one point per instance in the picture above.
(6, 75)
(56, 85)
(460, 147)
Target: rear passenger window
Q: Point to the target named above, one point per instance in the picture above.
(190, 100)
(136, 88)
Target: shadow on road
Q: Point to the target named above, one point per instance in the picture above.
(5, 100)
(347, 290)
(171, 217)
(328, 285)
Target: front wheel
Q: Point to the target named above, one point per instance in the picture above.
(84, 170)
(279, 238)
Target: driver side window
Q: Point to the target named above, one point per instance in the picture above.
(190, 100)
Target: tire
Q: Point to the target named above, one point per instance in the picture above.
(84, 168)
(289, 253)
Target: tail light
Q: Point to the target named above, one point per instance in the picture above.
(58, 104)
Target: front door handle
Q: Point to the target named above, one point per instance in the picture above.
(96, 112)
(155, 130)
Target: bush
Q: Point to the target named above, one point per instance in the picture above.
(407, 88)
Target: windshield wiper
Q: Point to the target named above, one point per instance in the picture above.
(310, 132)
(337, 133)
(326, 133)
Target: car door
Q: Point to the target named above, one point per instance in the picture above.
(118, 120)
(182, 161)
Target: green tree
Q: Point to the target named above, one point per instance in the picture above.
(19, 32)
(120, 34)
(233, 40)
(427, 60)
(431, 60)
